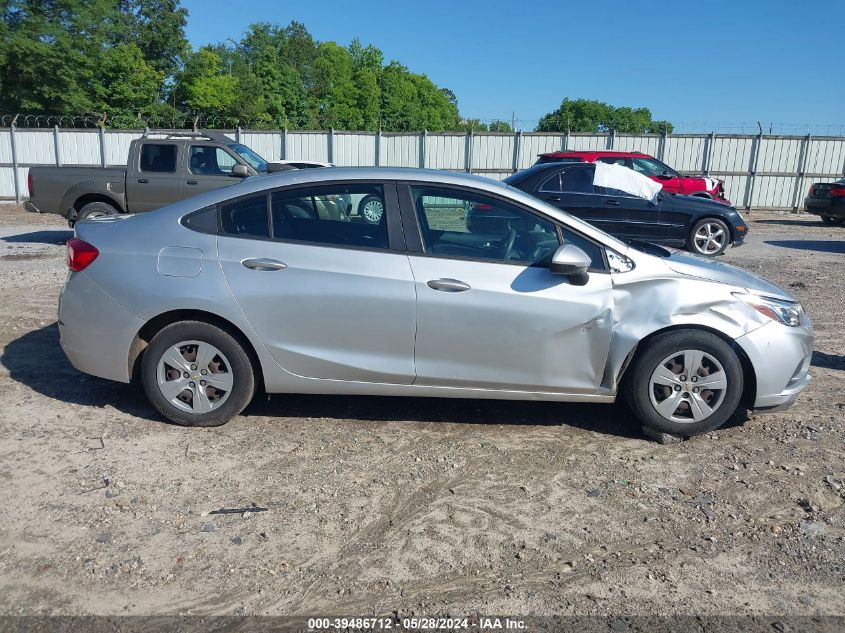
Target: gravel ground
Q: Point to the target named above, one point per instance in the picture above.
(375, 505)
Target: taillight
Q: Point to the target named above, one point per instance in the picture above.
(30, 185)
(80, 254)
(837, 193)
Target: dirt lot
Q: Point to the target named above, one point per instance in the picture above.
(418, 506)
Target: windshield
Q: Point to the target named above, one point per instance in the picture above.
(257, 163)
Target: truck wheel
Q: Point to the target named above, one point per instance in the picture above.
(96, 210)
(831, 221)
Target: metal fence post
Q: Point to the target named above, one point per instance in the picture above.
(517, 141)
(661, 145)
(15, 162)
(283, 141)
(708, 153)
(423, 134)
(610, 139)
(468, 153)
(238, 134)
(802, 169)
(378, 147)
(566, 141)
(56, 146)
(102, 145)
(330, 142)
(752, 173)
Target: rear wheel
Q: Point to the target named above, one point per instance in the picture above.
(96, 210)
(709, 236)
(196, 374)
(371, 208)
(686, 382)
(831, 221)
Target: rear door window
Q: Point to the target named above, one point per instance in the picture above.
(246, 217)
(158, 158)
(579, 180)
(332, 215)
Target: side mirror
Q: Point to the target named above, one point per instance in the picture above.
(240, 171)
(569, 260)
(666, 175)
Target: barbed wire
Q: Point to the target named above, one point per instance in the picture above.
(211, 122)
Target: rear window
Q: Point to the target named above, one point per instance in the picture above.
(158, 158)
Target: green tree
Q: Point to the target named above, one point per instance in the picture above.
(126, 85)
(204, 88)
(587, 115)
(335, 89)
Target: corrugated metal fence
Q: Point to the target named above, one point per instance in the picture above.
(759, 170)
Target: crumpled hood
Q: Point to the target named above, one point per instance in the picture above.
(685, 263)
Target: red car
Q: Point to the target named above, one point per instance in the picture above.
(672, 181)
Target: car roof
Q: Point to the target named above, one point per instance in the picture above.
(534, 169)
(592, 152)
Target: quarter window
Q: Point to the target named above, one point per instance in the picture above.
(246, 217)
(552, 185)
(466, 224)
(342, 215)
(158, 158)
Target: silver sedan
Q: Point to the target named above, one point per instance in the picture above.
(461, 288)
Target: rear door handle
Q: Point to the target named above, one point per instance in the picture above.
(143, 181)
(552, 198)
(263, 263)
(193, 182)
(613, 202)
(448, 285)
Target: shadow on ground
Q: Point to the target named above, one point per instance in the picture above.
(824, 246)
(828, 361)
(37, 361)
(816, 223)
(40, 237)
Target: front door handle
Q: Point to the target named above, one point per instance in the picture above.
(143, 181)
(193, 182)
(448, 285)
(262, 263)
(615, 203)
(552, 198)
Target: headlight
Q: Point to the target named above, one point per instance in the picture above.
(784, 312)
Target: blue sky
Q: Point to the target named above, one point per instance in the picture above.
(720, 61)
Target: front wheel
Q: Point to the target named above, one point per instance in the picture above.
(709, 237)
(831, 221)
(686, 382)
(196, 374)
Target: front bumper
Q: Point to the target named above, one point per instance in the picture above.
(780, 356)
(96, 332)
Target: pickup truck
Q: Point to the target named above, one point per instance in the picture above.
(162, 168)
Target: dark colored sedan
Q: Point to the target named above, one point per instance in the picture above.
(827, 199)
(697, 224)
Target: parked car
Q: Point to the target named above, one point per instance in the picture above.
(161, 168)
(672, 181)
(303, 164)
(697, 224)
(827, 199)
(465, 288)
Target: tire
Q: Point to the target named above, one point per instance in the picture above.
(671, 354)
(709, 237)
(95, 210)
(831, 221)
(227, 365)
(369, 207)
